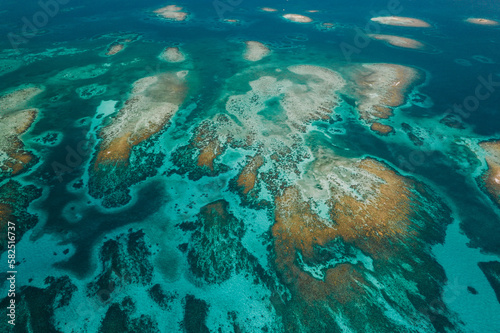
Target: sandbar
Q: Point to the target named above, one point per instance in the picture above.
(297, 18)
(399, 41)
(482, 21)
(401, 21)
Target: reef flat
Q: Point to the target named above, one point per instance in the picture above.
(232, 166)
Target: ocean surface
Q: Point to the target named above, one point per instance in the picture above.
(165, 175)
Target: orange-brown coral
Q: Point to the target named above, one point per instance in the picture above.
(491, 178)
(376, 225)
(248, 175)
(381, 128)
(385, 225)
(297, 228)
(209, 153)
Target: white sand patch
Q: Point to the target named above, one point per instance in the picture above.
(297, 18)
(172, 13)
(173, 55)
(256, 51)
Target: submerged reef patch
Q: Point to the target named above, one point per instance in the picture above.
(14, 201)
(13, 157)
(256, 51)
(172, 54)
(15, 121)
(35, 306)
(91, 91)
(152, 103)
(83, 73)
(374, 217)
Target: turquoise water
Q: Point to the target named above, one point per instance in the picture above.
(250, 196)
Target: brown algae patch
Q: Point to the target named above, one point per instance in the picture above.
(399, 41)
(482, 21)
(491, 178)
(401, 21)
(256, 51)
(297, 18)
(153, 102)
(172, 55)
(172, 13)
